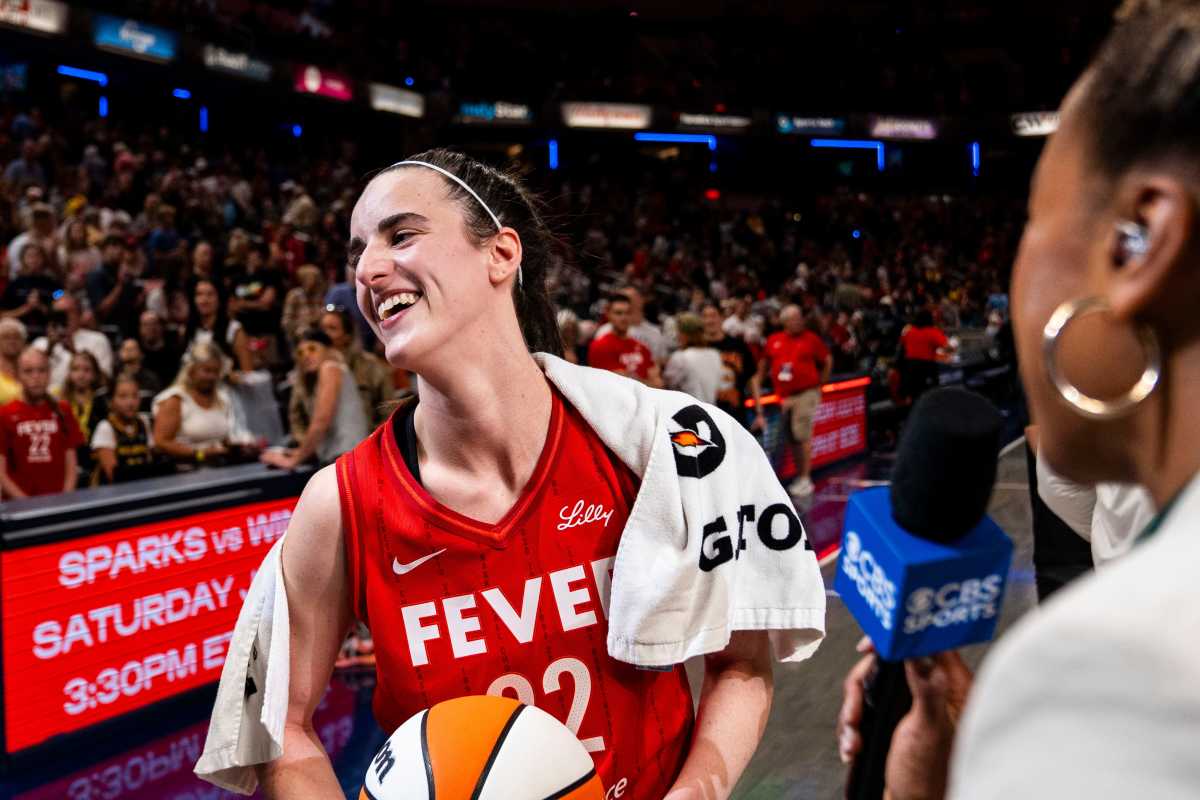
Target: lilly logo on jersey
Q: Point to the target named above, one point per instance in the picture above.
(581, 514)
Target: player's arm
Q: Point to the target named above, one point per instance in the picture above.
(11, 490)
(735, 702)
(314, 575)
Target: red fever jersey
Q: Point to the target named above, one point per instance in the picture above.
(34, 441)
(458, 607)
(617, 354)
(796, 361)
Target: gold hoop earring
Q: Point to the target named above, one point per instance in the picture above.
(1094, 407)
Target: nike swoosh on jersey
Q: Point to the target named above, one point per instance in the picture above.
(402, 569)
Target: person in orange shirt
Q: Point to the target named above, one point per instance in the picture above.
(798, 363)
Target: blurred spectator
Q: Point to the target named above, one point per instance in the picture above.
(568, 330)
(76, 255)
(86, 394)
(28, 296)
(40, 231)
(13, 340)
(744, 325)
(132, 361)
(325, 411)
(798, 363)
(639, 327)
(301, 211)
(372, 375)
(303, 306)
(617, 351)
(738, 367)
(164, 240)
(256, 294)
(114, 289)
(922, 343)
(194, 420)
(38, 435)
(25, 170)
(343, 295)
(203, 264)
(161, 351)
(123, 444)
(695, 368)
(65, 336)
(208, 323)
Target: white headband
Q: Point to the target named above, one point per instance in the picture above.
(468, 190)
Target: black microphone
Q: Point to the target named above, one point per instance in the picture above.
(929, 546)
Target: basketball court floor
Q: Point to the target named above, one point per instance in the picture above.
(797, 759)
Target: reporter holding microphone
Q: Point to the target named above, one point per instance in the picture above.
(1096, 694)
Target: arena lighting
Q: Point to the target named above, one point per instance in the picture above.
(204, 119)
(678, 138)
(857, 234)
(829, 388)
(297, 131)
(182, 94)
(712, 194)
(975, 159)
(554, 154)
(83, 74)
(855, 144)
(409, 81)
(103, 106)
(712, 166)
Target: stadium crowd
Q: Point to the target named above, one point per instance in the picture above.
(165, 308)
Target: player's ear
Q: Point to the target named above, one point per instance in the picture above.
(504, 256)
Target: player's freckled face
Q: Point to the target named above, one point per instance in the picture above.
(420, 279)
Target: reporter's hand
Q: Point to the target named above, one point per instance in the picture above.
(918, 762)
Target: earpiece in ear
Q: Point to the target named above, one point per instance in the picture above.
(1133, 241)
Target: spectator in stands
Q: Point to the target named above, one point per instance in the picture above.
(256, 295)
(40, 231)
(28, 296)
(617, 351)
(640, 328)
(86, 394)
(66, 336)
(132, 361)
(164, 240)
(114, 288)
(194, 420)
(304, 305)
(695, 368)
(568, 330)
(123, 444)
(325, 410)
(203, 264)
(25, 170)
(160, 348)
(738, 367)
(76, 255)
(208, 323)
(302, 212)
(342, 295)
(372, 375)
(798, 363)
(13, 340)
(922, 345)
(743, 324)
(38, 435)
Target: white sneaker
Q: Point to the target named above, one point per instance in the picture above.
(801, 487)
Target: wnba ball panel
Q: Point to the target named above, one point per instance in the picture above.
(482, 748)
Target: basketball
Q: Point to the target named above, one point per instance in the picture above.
(482, 748)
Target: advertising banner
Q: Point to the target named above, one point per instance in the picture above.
(727, 123)
(840, 424)
(42, 16)
(498, 113)
(132, 38)
(310, 79)
(1035, 123)
(98, 626)
(236, 63)
(809, 126)
(395, 100)
(606, 115)
(903, 128)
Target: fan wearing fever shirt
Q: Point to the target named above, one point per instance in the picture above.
(475, 531)
(38, 435)
(617, 351)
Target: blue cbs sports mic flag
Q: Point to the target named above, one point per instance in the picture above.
(914, 597)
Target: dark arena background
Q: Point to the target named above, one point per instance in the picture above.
(184, 172)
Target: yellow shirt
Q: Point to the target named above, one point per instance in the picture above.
(10, 389)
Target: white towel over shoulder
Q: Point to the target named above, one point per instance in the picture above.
(712, 545)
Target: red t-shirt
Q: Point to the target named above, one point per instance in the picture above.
(796, 361)
(921, 344)
(620, 354)
(519, 607)
(34, 441)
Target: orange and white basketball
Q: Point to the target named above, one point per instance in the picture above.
(482, 748)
